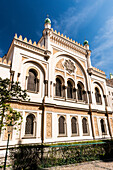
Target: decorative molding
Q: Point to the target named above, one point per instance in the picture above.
(96, 126)
(49, 125)
(69, 65)
(67, 43)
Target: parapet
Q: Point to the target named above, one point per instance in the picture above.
(4, 61)
(100, 71)
(29, 41)
(67, 38)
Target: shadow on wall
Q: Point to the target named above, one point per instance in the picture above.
(40, 156)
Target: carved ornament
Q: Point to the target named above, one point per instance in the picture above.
(69, 65)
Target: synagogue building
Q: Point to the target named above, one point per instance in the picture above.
(70, 100)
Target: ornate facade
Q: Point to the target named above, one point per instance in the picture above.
(68, 96)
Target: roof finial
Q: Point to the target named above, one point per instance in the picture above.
(47, 20)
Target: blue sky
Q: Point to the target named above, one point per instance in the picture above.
(78, 19)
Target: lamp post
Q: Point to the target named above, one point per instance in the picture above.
(9, 131)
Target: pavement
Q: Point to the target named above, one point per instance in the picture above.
(93, 165)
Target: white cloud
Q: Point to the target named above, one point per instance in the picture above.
(1, 52)
(72, 19)
(102, 55)
(39, 34)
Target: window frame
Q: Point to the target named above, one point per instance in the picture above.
(37, 81)
(77, 126)
(34, 127)
(104, 124)
(82, 89)
(72, 87)
(87, 124)
(65, 127)
(62, 88)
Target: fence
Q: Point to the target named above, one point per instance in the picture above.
(40, 156)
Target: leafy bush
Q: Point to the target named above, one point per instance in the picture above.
(33, 157)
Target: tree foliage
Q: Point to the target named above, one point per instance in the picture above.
(10, 91)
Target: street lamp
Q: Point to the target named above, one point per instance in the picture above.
(9, 130)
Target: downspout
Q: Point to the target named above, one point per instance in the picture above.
(43, 110)
(108, 122)
(89, 92)
(91, 119)
(43, 113)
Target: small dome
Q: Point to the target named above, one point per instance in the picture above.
(47, 20)
(85, 42)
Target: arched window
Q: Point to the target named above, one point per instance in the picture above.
(69, 90)
(79, 92)
(29, 129)
(58, 89)
(74, 125)
(85, 126)
(33, 82)
(103, 126)
(62, 126)
(97, 96)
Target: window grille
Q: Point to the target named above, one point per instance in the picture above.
(62, 129)
(69, 90)
(74, 125)
(85, 126)
(58, 87)
(97, 96)
(79, 92)
(29, 125)
(32, 81)
(102, 126)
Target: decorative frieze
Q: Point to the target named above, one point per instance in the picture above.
(49, 125)
(79, 71)
(67, 41)
(69, 65)
(60, 65)
(59, 72)
(96, 126)
(111, 123)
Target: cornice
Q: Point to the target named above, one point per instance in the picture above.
(97, 73)
(59, 106)
(29, 46)
(4, 65)
(35, 48)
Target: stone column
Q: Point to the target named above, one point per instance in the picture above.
(38, 82)
(46, 87)
(90, 97)
(74, 93)
(88, 59)
(51, 83)
(91, 119)
(18, 77)
(105, 99)
(26, 80)
(108, 121)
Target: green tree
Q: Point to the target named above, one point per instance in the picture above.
(10, 91)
